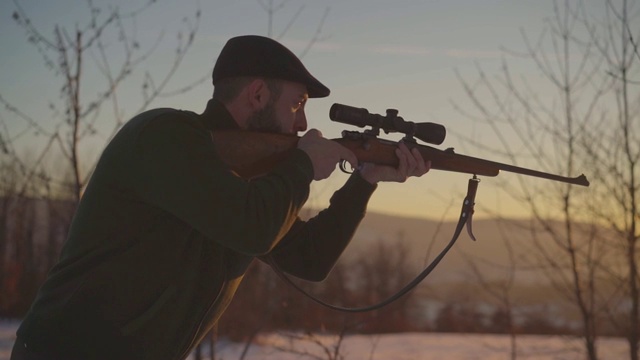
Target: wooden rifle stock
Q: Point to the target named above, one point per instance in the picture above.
(251, 154)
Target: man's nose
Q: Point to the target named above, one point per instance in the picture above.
(301, 121)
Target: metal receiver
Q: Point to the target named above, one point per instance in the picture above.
(428, 132)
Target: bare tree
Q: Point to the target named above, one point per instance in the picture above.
(548, 132)
(9, 265)
(93, 61)
(501, 291)
(381, 271)
(105, 44)
(327, 347)
(613, 146)
(272, 7)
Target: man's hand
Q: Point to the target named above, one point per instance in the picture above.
(411, 163)
(324, 153)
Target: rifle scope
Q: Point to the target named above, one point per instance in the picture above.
(428, 132)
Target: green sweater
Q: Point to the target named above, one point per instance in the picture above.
(164, 234)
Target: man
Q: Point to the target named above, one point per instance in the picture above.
(165, 231)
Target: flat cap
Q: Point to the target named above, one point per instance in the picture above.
(253, 55)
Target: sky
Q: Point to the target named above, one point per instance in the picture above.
(373, 54)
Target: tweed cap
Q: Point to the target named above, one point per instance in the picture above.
(252, 55)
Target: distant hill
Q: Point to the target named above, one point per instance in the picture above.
(426, 238)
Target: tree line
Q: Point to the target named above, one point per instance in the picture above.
(33, 231)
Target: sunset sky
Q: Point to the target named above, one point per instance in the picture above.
(372, 53)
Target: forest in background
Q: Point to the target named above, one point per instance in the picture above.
(450, 300)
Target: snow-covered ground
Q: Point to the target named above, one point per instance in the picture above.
(398, 347)
(7, 336)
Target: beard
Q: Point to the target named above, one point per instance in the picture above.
(264, 120)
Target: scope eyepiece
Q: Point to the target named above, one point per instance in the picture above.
(428, 132)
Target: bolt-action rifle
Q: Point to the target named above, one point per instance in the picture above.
(251, 154)
(254, 153)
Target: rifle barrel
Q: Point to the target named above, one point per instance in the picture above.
(578, 180)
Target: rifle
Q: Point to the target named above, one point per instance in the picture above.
(251, 154)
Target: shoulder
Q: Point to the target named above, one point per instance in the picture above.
(158, 129)
(164, 117)
(161, 123)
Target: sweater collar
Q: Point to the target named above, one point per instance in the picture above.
(217, 117)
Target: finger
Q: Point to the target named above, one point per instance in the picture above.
(421, 166)
(416, 153)
(313, 133)
(412, 164)
(411, 161)
(402, 165)
(348, 156)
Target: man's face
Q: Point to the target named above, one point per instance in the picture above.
(284, 114)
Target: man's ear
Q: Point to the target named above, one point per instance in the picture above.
(258, 94)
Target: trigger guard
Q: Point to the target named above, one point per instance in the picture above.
(343, 167)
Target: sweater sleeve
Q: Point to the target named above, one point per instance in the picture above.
(178, 170)
(311, 249)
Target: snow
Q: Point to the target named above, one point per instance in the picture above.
(288, 346)
(427, 346)
(7, 336)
